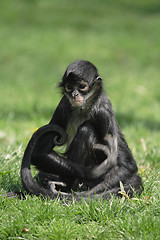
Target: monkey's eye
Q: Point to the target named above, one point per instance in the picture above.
(68, 88)
(83, 87)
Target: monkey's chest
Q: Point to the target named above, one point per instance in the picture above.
(73, 126)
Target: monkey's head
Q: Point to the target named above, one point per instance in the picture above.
(81, 83)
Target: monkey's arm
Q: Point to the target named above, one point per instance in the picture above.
(62, 113)
(104, 121)
(45, 143)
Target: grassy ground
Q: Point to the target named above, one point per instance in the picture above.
(38, 39)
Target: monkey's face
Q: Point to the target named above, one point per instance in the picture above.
(77, 92)
(81, 83)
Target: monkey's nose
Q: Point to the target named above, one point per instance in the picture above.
(75, 93)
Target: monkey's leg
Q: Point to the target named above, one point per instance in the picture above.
(51, 181)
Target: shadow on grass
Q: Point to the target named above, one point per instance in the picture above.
(142, 7)
(128, 119)
(124, 120)
(23, 115)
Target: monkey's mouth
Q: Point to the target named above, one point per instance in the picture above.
(78, 101)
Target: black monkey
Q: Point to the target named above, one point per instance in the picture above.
(97, 156)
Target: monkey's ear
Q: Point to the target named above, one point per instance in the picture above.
(98, 79)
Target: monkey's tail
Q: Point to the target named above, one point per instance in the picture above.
(31, 186)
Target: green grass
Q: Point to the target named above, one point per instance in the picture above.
(38, 39)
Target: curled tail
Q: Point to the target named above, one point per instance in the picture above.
(31, 186)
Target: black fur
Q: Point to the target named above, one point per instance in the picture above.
(97, 157)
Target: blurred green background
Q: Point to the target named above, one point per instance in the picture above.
(38, 39)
